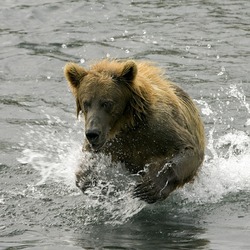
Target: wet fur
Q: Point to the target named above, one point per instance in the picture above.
(159, 134)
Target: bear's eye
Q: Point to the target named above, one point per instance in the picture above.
(107, 105)
(86, 106)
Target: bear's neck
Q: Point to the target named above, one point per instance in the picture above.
(139, 106)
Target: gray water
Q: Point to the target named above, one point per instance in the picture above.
(204, 46)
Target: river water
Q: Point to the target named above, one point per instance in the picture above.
(202, 45)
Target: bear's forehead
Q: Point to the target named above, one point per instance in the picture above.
(103, 79)
(96, 84)
(98, 87)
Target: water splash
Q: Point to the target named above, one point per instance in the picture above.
(51, 152)
(226, 166)
(57, 155)
(240, 96)
(226, 171)
(54, 150)
(111, 199)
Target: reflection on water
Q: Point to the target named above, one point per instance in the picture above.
(147, 231)
(203, 46)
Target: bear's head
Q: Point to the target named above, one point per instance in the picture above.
(104, 94)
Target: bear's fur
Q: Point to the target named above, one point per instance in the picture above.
(141, 119)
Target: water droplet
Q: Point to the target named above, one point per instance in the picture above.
(125, 33)
(108, 55)
(222, 71)
(48, 77)
(82, 60)
(112, 39)
(64, 46)
(217, 57)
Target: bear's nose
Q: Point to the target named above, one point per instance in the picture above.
(93, 136)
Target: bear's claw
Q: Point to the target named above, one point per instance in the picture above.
(146, 191)
(156, 186)
(85, 180)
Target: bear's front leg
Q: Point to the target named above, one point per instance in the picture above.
(85, 174)
(158, 181)
(85, 179)
(164, 176)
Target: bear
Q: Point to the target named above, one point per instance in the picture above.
(133, 113)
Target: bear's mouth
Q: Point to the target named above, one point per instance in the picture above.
(97, 146)
(96, 141)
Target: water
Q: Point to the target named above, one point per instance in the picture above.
(204, 47)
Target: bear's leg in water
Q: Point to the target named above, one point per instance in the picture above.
(164, 176)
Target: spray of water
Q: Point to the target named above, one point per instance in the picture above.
(51, 152)
(226, 166)
(56, 156)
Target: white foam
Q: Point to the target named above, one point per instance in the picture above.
(226, 166)
(52, 153)
(227, 171)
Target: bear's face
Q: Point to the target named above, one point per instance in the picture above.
(103, 97)
(102, 103)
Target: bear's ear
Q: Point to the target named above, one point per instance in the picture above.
(129, 71)
(74, 74)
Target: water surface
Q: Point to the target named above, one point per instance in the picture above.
(202, 45)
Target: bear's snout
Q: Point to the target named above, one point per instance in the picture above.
(93, 136)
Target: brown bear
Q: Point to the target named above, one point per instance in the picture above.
(141, 119)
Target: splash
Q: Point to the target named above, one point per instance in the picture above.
(225, 172)
(226, 167)
(51, 152)
(54, 150)
(55, 153)
(240, 96)
(110, 200)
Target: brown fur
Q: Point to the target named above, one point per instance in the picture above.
(133, 113)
